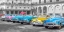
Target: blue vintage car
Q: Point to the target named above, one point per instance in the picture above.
(54, 22)
(26, 19)
(16, 18)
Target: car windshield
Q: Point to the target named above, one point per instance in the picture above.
(54, 18)
(42, 16)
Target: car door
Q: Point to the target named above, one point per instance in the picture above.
(62, 22)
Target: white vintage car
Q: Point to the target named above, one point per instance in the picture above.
(3, 17)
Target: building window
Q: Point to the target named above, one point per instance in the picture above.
(44, 1)
(19, 12)
(58, 14)
(7, 7)
(63, 14)
(24, 7)
(57, 0)
(39, 1)
(16, 7)
(20, 7)
(16, 0)
(7, 12)
(16, 12)
(44, 9)
(28, 12)
(50, 0)
(7, 0)
(12, 12)
(28, 7)
(50, 14)
(40, 11)
(24, 1)
(12, 2)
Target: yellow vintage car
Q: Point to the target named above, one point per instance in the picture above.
(39, 20)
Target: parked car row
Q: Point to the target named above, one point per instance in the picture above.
(44, 20)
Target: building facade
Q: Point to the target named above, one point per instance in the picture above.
(48, 7)
(15, 6)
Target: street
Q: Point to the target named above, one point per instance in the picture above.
(17, 27)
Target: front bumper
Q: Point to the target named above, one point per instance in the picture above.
(37, 23)
(51, 25)
(2, 18)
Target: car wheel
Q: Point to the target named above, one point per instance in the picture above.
(13, 21)
(46, 26)
(59, 27)
(21, 22)
(18, 22)
(7, 21)
(3, 20)
(34, 25)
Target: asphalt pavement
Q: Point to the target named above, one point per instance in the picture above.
(17, 27)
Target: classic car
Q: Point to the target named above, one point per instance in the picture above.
(3, 17)
(26, 19)
(8, 18)
(17, 18)
(52, 22)
(39, 20)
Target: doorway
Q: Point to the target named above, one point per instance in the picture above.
(44, 10)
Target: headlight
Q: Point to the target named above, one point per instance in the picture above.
(39, 20)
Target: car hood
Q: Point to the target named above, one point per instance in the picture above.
(52, 20)
(42, 18)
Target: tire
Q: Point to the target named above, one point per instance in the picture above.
(34, 25)
(46, 27)
(18, 22)
(59, 27)
(3, 20)
(21, 22)
(7, 21)
(13, 21)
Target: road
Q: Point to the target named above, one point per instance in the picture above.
(17, 27)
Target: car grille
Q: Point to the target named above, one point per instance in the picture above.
(37, 22)
(50, 24)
